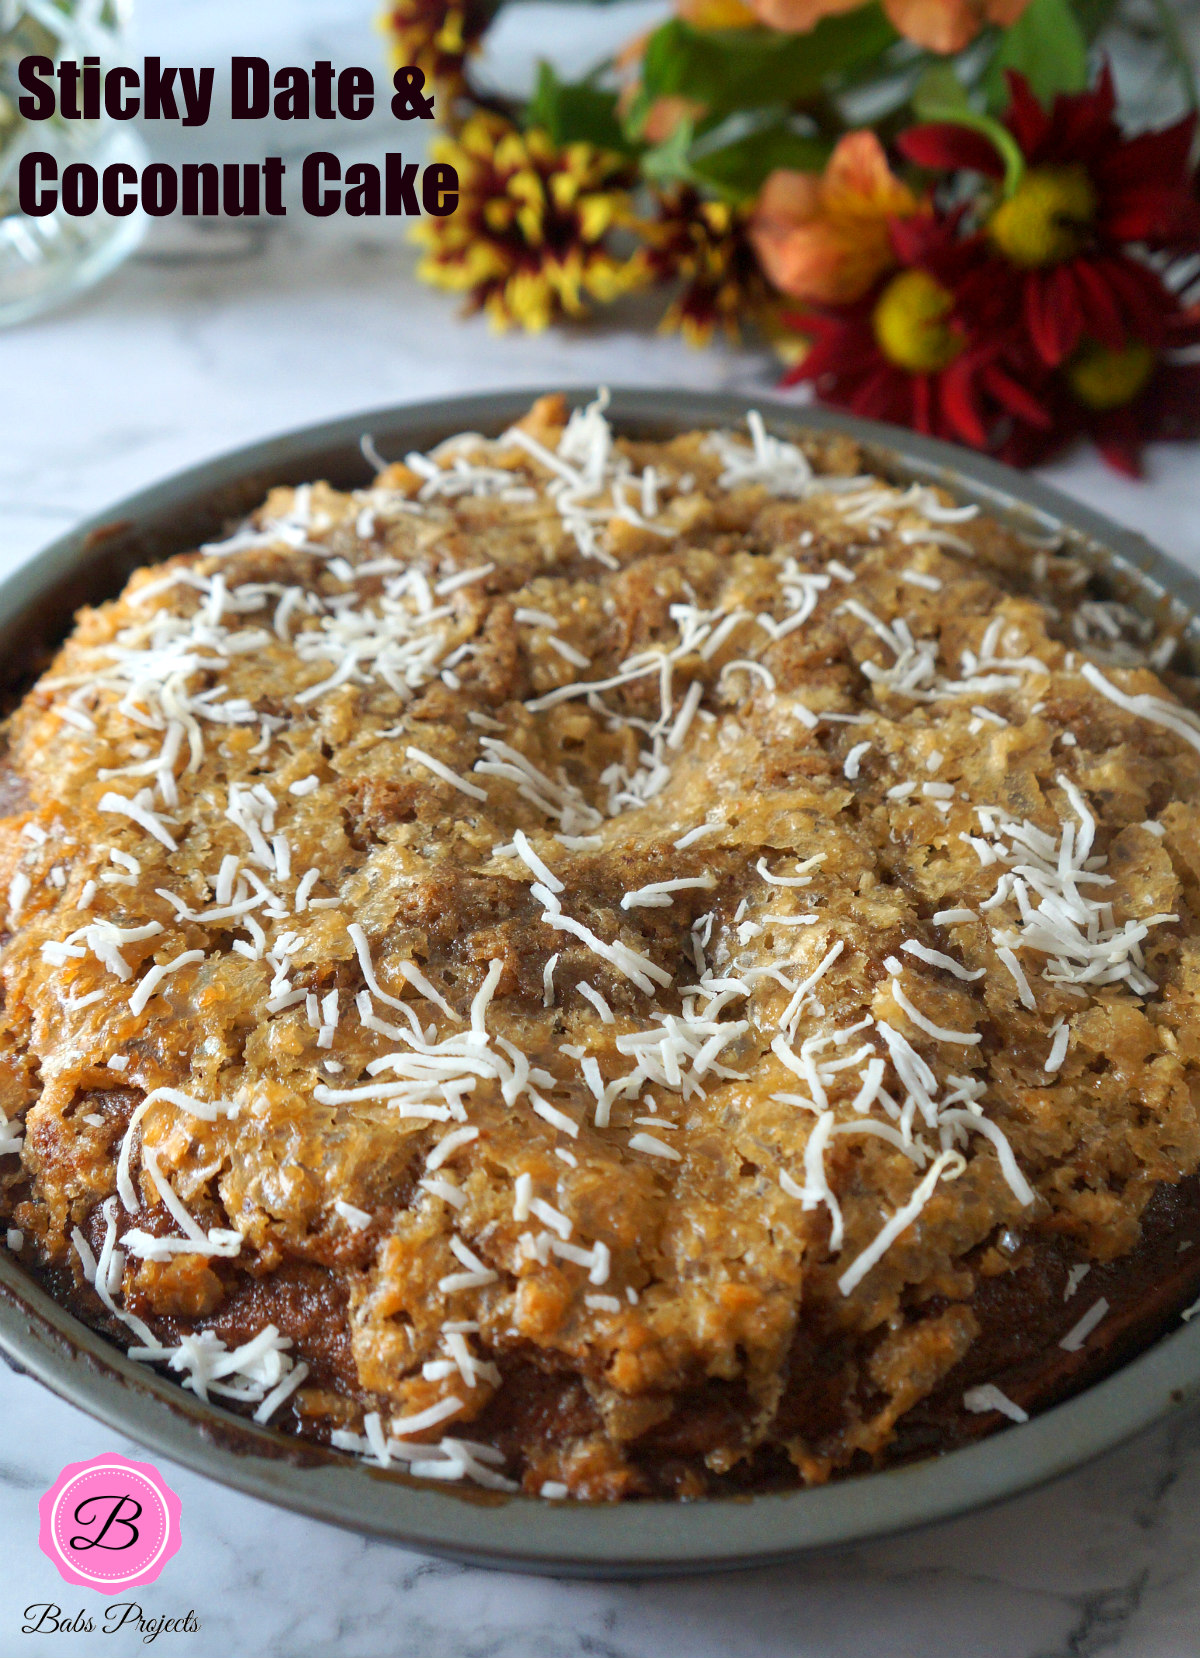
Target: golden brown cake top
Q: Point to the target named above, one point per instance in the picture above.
(599, 900)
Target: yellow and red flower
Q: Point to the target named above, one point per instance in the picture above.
(437, 36)
(530, 240)
(1067, 243)
(702, 245)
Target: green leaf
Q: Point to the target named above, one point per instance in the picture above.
(575, 111)
(731, 157)
(668, 163)
(728, 69)
(939, 89)
(1047, 46)
(737, 169)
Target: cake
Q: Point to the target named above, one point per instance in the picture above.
(609, 968)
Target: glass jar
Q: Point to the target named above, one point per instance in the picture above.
(45, 261)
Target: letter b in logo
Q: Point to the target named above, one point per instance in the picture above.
(110, 1523)
(115, 1513)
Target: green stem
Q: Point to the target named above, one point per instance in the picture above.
(999, 136)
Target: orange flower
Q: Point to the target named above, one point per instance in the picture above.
(939, 25)
(824, 236)
(719, 14)
(797, 17)
(665, 115)
(949, 25)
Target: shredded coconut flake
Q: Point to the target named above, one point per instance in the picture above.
(949, 1165)
(1171, 716)
(1077, 1335)
(853, 761)
(653, 1146)
(989, 1397)
(440, 769)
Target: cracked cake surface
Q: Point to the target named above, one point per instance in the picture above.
(606, 968)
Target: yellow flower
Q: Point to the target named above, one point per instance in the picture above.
(529, 240)
(823, 237)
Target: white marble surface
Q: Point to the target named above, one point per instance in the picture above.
(203, 343)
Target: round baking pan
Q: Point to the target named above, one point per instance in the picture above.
(638, 1538)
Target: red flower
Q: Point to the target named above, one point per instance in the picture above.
(908, 354)
(1124, 399)
(1024, 320)
(1061, 240)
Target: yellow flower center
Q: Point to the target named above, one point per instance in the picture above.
(1105, 379)
(1044, 221)
(910, 323)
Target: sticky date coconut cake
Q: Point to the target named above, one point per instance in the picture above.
(608, 968)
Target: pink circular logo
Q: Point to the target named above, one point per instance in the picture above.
(110, 1523)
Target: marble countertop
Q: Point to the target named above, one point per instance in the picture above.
(208, 340)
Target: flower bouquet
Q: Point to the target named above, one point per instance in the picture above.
(934, 210)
